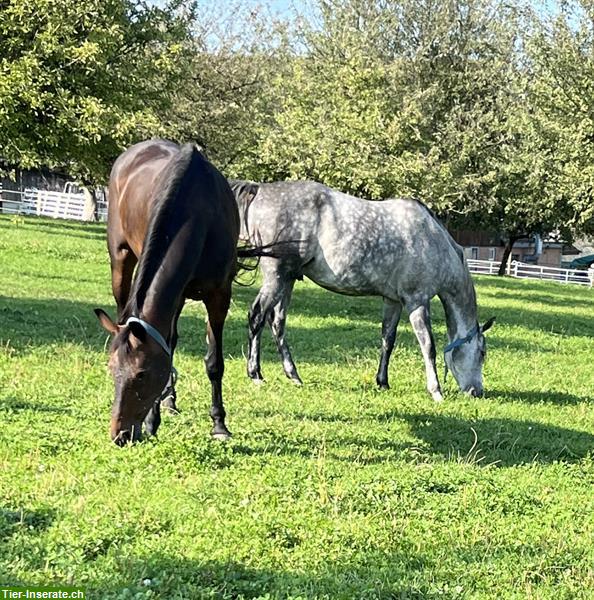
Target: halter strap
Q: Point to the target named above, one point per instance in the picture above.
(456, 344)
(152, 331)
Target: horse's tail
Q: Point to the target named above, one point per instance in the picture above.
(244, 192)
(249, 255)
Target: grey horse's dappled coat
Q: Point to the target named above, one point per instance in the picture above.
(395, 248)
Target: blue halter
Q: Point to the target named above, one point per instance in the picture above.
(456, 344)
(152, 332)
(460, 341)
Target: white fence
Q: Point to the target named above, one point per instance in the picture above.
(525, 271)
(69, 204)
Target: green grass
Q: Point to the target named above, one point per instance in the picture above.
(332, 490)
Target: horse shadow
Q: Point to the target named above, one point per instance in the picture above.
(537, 397)
(484, 442)
(497, 441)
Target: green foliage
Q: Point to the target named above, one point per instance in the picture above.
(455, 102)
(563, 97)
(81, 79)
(329, 491)
(482, 108)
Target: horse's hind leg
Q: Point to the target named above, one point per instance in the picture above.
(421, 323)
(271, 293)
(277, 319)
(392, 312)
(217, 305)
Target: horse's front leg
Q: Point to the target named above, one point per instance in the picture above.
(392, 312)
(277, 319)
(421, 324)
(217, 305)
(169, 395)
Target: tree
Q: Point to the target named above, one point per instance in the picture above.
(82, 79)
(394, 97)
(234, 54)
(562, 55)
(437, 100)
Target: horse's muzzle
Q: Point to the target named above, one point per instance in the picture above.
(124, 436)
(475, 392)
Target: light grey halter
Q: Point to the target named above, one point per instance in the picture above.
(152, 332)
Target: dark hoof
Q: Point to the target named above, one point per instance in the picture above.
(383, 386)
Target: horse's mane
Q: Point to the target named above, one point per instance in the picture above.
(175, 179)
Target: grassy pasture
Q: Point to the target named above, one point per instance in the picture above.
(333, 490)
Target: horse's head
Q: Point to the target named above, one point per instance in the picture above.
(140, 366)
(464, 357)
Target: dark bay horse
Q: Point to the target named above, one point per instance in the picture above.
(396, 249)
(172, 212)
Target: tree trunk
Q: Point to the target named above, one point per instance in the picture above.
(508, 248)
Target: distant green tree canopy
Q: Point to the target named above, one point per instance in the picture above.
(80, 79)
(484, 109)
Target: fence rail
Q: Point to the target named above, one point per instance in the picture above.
(68, 204)
(525, 271)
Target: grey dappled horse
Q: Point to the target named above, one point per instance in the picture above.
(396, 249)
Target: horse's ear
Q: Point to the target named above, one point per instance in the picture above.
(488, 325)
(106, 321)
(137, 330)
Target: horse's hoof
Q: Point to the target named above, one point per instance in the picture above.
(296, 381)
(383, 386)
(221, 435)
(258, 381)
(437, 396)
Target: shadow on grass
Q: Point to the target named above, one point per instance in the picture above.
(378, 575)
(317, 302)
(535, 397)
(560, 301)
(37, 322)
(501, 442)
(80, 229)
(504, 442)
(12, 404)
(19, 536)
